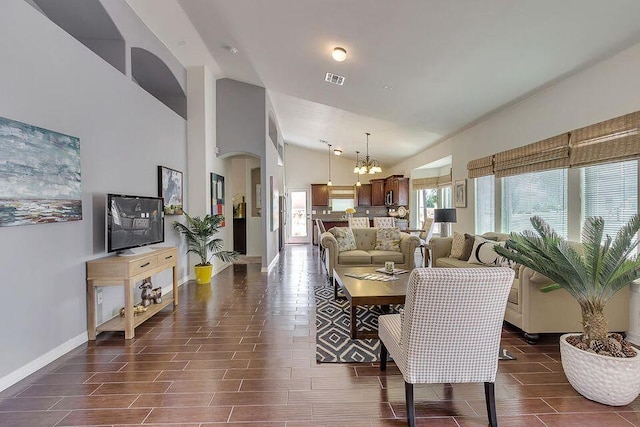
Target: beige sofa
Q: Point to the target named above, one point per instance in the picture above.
(365, 254)
(531, 310)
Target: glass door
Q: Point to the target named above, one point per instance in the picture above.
(299, 229)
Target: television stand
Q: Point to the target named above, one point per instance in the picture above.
(126, 272)
(136, 251)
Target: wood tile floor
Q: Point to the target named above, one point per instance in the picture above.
(242, 352)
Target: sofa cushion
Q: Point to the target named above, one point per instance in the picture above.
(469, 239)
(365, 238)
(453, 262)
(344, 237)
(354, 257)
(483, 252)
(457, 245)
(388, 239)
(380, 257)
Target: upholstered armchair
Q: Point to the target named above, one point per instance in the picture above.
(359, 222)
(384, 222)
(449, 331)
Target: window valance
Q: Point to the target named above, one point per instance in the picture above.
(431, 182)
(480, 167)
(550, 153)
(341, 192)
(612, 140)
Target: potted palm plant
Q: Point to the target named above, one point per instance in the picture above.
(599, 365)
(199, 233)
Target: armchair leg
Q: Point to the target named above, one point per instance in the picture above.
(383, 356)
(490, 397)
(411, 409)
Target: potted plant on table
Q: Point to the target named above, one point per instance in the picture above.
(199, 233)
(599, 365)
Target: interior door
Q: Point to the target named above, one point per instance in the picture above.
(299, 216)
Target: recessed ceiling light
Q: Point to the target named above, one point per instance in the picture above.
(232, 50)
(339, 54)
(387, 87)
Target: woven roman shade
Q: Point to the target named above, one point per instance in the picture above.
(431, 182)
(341, 192)
(609, 141)
(480, 167)
(551, 153)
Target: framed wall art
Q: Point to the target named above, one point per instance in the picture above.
(460, 194)
(40, 180)
(170, 189)
(217, 195)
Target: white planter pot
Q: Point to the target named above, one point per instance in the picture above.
(609, 380)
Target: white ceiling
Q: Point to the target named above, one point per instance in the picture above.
(449, 62)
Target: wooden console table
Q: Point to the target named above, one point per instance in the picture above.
(125, 272)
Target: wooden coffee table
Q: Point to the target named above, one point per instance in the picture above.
(368, 292)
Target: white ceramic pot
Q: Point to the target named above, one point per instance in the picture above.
(612, 381)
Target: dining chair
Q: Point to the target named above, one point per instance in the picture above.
(359, 222)
(449, 331)
(384, 221)
(321, 229)
(425, 236)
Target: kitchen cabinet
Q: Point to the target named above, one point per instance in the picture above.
(399, 188)
(364, 195)
(377, 192)
(319, 195)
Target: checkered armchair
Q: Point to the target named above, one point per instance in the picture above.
(359, 222)
(449, 331)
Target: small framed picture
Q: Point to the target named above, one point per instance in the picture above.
(170, 189)
(460, 193)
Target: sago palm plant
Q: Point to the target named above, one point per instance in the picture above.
(199, 233)
(592, 276)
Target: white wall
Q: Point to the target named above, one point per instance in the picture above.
(49, 79)
(605, 90)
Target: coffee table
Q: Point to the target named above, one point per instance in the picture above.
(368, 292)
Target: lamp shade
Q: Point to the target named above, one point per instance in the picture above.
(444, 215)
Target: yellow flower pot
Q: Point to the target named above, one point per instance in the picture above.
(203, 274)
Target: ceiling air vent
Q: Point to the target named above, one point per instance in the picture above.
(334, 78)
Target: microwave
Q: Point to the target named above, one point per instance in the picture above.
(388, 198)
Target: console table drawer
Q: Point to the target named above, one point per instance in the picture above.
(168, 257)
(143, 265)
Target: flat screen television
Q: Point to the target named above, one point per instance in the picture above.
(133, 222)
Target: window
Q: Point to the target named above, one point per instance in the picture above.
(485, 204)
(446, 197)
(610, 191)
(540, 193)
(341, 204)
(427, 202)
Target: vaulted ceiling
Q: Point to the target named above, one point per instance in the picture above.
(416, 71)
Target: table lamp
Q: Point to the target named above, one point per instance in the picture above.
(444, 217)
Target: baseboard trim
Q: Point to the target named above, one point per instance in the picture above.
(42, 361)
(271, 264)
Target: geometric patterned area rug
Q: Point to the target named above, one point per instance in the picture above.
(333, 340)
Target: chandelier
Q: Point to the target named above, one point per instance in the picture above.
(367, 165)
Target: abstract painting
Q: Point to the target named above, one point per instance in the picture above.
(40, 179)
(217, 195)
(170, 189)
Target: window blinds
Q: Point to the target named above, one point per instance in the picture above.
(480, 167)
(550, 153)
(540, 193)
(485, 204)
(341, 192)
(431, 182)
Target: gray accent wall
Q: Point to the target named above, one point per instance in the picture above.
(49, 79)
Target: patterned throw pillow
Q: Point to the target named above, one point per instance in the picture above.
(469, 240)
(345, 238)
(483, 252)
(457, 245)
(388, 239)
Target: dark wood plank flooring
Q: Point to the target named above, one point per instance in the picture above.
(242, 352)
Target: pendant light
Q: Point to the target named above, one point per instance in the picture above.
(329, 182)
(367, 165)
(357, 170)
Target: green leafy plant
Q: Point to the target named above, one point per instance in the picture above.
(592, 276)
(199, 233)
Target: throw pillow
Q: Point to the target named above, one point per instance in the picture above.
(346, 239)
(388, 239)
(457, 245)
(469, 239)
(483, 252)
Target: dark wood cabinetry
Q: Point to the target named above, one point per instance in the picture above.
(364, 195)
(319, 195)
(399, 188)
(377, 192)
